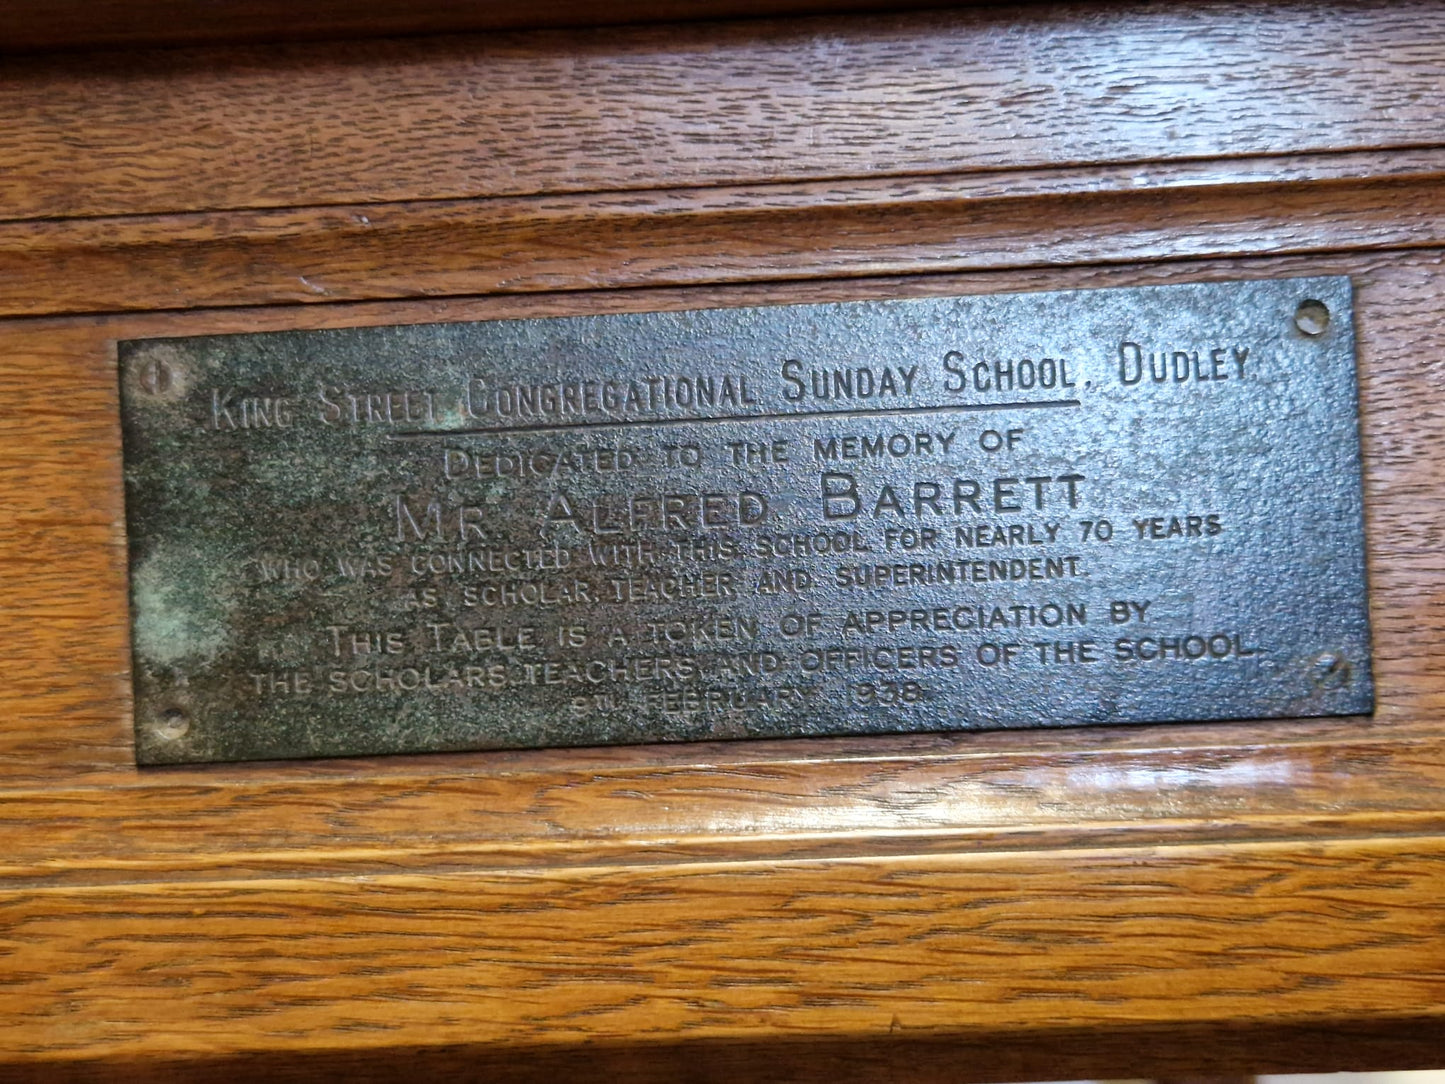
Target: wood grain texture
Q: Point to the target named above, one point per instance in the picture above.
(52, 25)
(65, 610)
(762, 804)
(1306, 203)
(1108, 902)
(1239, 1048)
(961, 945)
(646, 876)
(706, 104)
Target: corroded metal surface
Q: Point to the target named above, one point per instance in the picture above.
(1012, 511)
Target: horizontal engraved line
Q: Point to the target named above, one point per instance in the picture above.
(627, 423)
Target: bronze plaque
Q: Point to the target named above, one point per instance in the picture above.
(1056, 509)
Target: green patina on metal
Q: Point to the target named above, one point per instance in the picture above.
(1026, 510)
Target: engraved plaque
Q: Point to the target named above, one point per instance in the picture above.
(1107, 506)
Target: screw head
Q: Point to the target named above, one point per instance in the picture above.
(1312, 317)
(1332, 671)
(172, 725)
(156, 376)
(158, 372)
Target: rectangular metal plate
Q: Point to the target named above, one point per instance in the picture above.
(1106, 506)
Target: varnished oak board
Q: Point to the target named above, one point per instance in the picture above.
(988, 887)
(50, 25)
(1107, 902)
(550, 112)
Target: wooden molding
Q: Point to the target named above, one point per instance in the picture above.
(1201, 875)
(1308, 203)
(1104, 902)
(52, 25)
(1172, 1051)
(934, 947)
(708, 104)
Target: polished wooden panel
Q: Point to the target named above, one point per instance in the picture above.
(1103, 902)
(721, 103)
(1205, 1052)
(957, 945)
(1201, 875)
(1304, 203)
(65, 493)
(51, 25)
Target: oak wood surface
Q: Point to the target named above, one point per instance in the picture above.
(832, 229)
(1106, 902)
(133, 132)
(53, 25)
(260, 904)
(960, 944)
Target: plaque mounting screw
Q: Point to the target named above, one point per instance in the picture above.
(1332, 671)
(1312, 317)
(158, 371)
(172, 724)
(156, 376)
